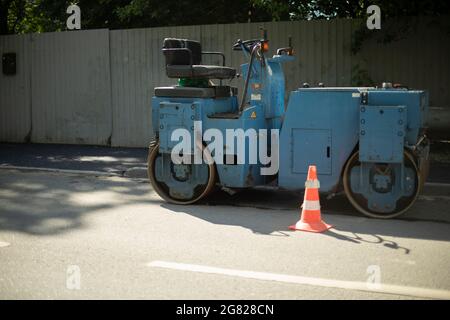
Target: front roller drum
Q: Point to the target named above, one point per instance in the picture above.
(181, 177)
(361, 203)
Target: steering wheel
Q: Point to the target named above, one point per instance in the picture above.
(248, 44)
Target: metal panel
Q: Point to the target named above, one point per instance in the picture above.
(137, 66)
(71, 93)
(173, 116)
(15, 94)
(382, 133)
(316, 144)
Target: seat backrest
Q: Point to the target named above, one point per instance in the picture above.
(182, 57)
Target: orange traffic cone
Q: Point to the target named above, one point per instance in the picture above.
(310, 219)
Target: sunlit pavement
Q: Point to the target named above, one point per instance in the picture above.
(132, 162)
(75, 236)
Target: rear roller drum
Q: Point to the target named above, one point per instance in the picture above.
(381, 183)
(180, 183)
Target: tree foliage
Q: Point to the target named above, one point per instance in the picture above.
(22, 16)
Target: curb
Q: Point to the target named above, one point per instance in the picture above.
(141, 173)
(436, 189)
(56, 170)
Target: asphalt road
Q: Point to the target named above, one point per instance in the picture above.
(73, 236)
(132, 162)
(72, 157)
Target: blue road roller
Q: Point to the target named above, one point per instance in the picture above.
(368, 142)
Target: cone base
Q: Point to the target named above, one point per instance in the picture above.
(310, 227)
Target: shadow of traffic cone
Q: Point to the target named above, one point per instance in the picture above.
(310, 219)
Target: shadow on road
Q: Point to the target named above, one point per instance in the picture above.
(72, 157)
(366, 238)
(51, 204)
(278, 215)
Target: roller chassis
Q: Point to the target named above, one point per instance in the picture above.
(368, 142)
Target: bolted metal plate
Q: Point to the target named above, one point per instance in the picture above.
(382, 133)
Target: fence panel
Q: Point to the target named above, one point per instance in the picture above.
(137, 66)
(15, 91)
(419, 60)
(71, 87)
(95, 86)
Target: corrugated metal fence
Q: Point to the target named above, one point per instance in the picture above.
(70, 87)
(95, 86)
(15, 91)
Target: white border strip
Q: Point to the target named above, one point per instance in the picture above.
(96, 173)
(311, 205)
(320, 282)
(103, 173)
(437, 184)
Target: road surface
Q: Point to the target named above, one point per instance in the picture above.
(71, 236)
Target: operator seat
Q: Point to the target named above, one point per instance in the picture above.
(183, 60)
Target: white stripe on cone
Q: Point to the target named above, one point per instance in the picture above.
(312, 184)
(311, 205)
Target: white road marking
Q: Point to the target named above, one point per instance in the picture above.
(320, 282)
(4, 244)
